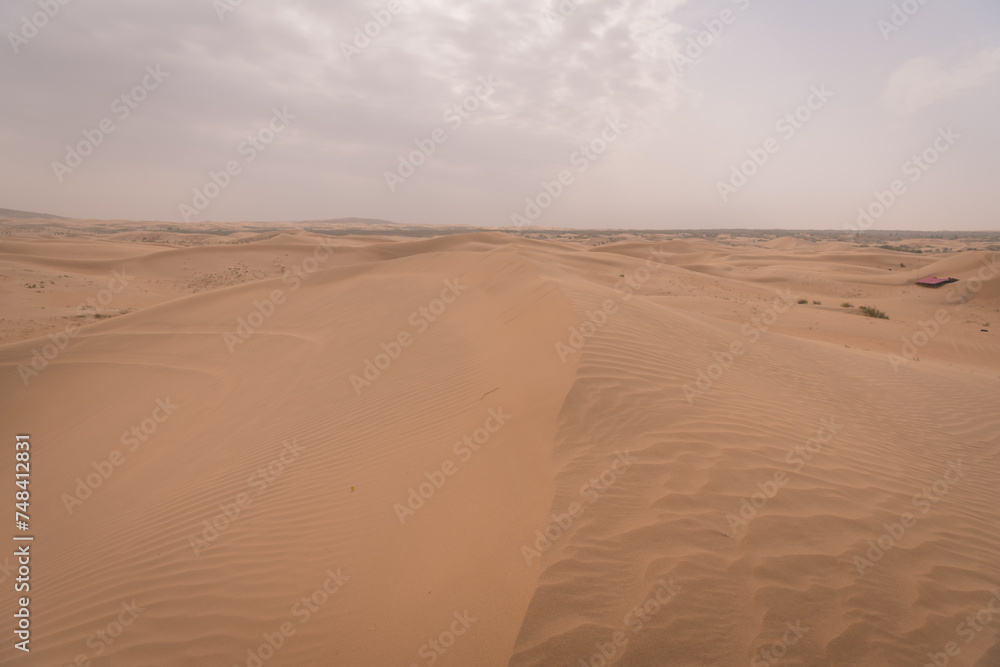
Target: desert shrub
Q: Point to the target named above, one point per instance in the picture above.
(846, 304)
(874, 312)
(803, 300)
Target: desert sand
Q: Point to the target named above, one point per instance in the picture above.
(278, 446)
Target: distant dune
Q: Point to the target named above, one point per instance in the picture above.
(285, 447)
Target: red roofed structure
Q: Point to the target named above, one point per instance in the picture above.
(934, 281)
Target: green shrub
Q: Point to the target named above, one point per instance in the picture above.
(874, 312)
(803, 300)
(817, 303)
(846, 304)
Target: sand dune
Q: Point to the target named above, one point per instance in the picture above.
(483, 449)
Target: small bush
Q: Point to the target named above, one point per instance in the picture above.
(803, 300)
(817, 303)
(874, 312)
(846, 304)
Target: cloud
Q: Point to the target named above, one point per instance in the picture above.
(921, 82)
(563, 67)
(567, 63)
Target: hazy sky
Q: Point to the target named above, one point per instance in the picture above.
(649, 111)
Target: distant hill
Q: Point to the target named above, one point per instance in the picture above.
(349, 221)
(10, 213)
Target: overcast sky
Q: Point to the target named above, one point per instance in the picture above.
(671, 99)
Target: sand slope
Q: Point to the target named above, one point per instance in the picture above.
(590, 393)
